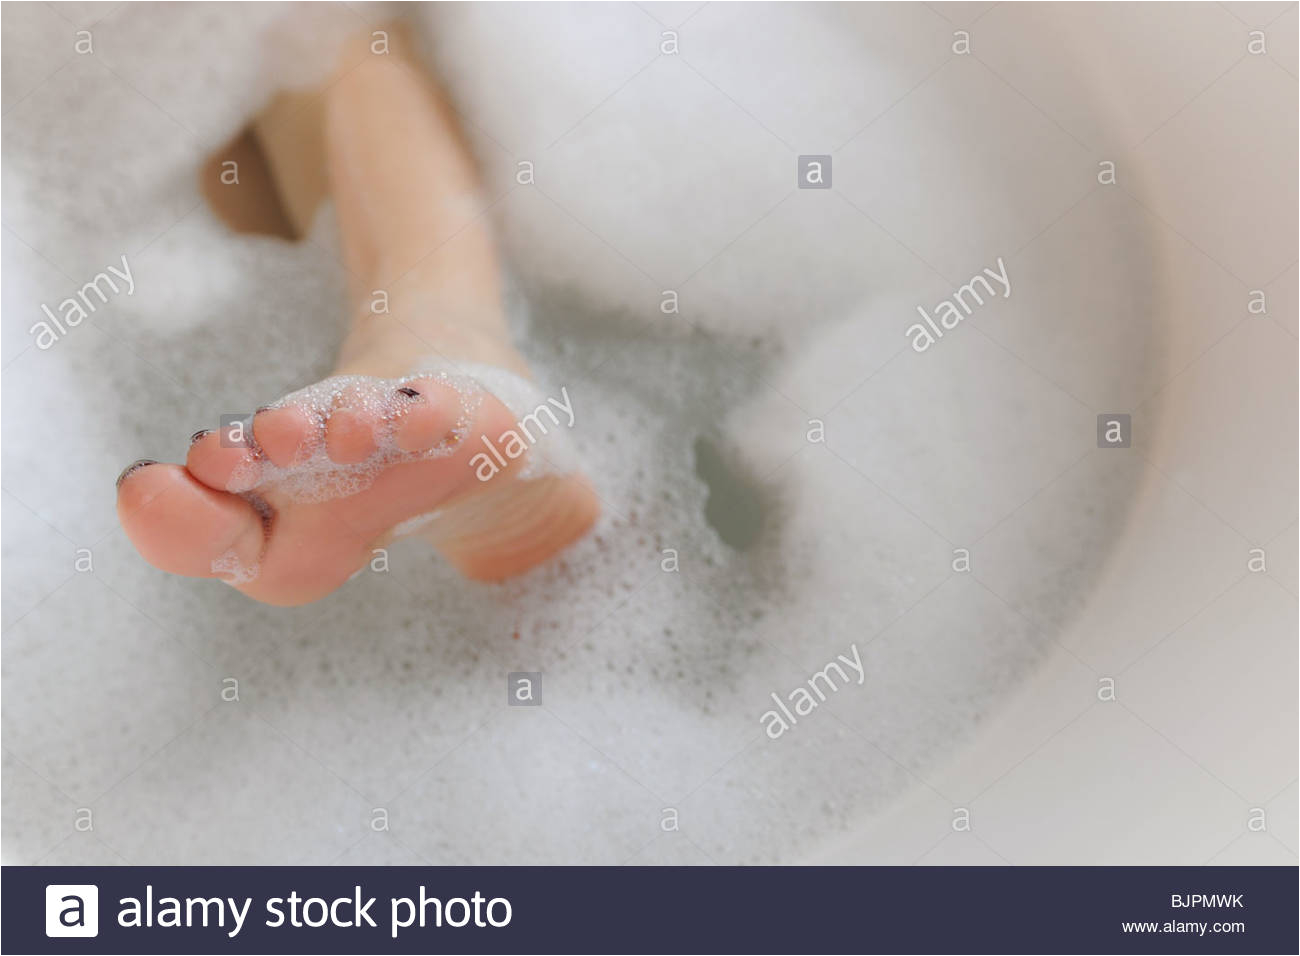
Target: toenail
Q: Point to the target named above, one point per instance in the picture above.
(134, 466)
(409, 392)
(199, 434)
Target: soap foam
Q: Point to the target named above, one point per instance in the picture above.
(231, 570)
(318, 478)
(638, 647)
(416, 524)
(551, 452)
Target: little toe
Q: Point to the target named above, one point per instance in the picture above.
(427, 412)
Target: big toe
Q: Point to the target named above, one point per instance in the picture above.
(180, 525)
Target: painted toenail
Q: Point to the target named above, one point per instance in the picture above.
(134, 466)
(409, 392)
(199, 434)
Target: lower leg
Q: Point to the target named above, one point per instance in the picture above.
(410, 209)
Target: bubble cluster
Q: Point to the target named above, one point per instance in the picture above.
(314, 477)
(230, 569)
(416, 524)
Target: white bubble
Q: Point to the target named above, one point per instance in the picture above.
(232, 570)
(316, 477)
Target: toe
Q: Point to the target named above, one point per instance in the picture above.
(350, 435)
(182, 526)
(285, 434)
(426, 414)
(223, 461)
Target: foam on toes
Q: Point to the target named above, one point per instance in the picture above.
(333, 438)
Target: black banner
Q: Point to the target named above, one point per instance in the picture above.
(650, 910)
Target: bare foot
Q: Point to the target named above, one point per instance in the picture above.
(420, 431)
